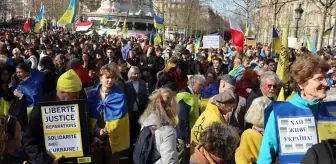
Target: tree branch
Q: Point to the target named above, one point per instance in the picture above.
(237, 4)
(237, 13)
(278, 10)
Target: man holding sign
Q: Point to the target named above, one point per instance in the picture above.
(68, 87)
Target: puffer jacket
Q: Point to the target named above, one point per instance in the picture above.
(165, 139)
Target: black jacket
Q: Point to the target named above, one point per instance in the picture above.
(147, 65)
(33, 136)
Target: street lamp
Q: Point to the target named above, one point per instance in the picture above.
(298, 15)
(175, 28)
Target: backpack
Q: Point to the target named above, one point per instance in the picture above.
(145, 151)
(322, 153)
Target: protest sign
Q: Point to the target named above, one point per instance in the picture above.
(65, 129)
(251, 42)
(212, 41)
(296, 134)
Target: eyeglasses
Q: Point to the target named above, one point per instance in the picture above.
(269, 86)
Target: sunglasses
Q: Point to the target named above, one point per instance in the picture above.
(270, 86)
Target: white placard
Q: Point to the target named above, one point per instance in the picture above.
(214, 41)
(62, 132)
(297, 135)
(292, 42)
(62, 143)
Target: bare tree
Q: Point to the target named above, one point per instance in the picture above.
(324, 6)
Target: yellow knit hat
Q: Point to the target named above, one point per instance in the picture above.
(69, 82)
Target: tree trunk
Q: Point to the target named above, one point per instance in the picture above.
(320, 40)
(274, 14)
(333, 30)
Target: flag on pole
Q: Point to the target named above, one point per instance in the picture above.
(327, 32)
(248, 32)
(237, 34)
(39, 21)
(310, 46)
(197, 44)
(26, 25)
(70, 14)
(157, 40)
(152, 36)
(283, 64)
(158, 22)
(124, 29)
(276, 42)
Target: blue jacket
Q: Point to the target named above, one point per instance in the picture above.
(270, 147)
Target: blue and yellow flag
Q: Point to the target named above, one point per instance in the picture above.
(158, 22)
(157, 40)
(124, 29)
(276, 42)
(39, 21)
(248, 32)
(327, 32)
(283, 64)
(152, 36)
(197, 44)
(310, 46)
(70, 14)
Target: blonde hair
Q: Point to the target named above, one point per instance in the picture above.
(133, 69)
(3, 60)
(255, 114)
(163, 104)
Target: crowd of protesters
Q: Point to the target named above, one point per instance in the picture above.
(205, 106)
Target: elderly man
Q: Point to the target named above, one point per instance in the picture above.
(68, 88)
(268, 87)
(236, 116)
(188, 103)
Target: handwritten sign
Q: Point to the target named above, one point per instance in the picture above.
(326, 130)
(212, 41)
(65, 130)
(297, 135)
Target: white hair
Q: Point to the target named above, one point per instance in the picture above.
(269, 75)
(255, 114)
(16, 51)
(132, 69)
(196, 79)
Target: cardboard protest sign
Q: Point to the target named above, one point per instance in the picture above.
(65, 130)
(213, 41)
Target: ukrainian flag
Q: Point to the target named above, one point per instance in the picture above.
(289, 147)
(39, 21)
(327, 32)
(283, 130)
(70, 14)
(197, 44)
(248, 32)
(308, 121)
(284, 122)
(311, 128)
(158, 22)
(157, 40)
(310, 46)
(124, 29)
(276, 42)
(299, 146)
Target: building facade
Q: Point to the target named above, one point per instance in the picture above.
(309, 25)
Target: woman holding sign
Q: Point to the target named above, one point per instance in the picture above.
(291, 126)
